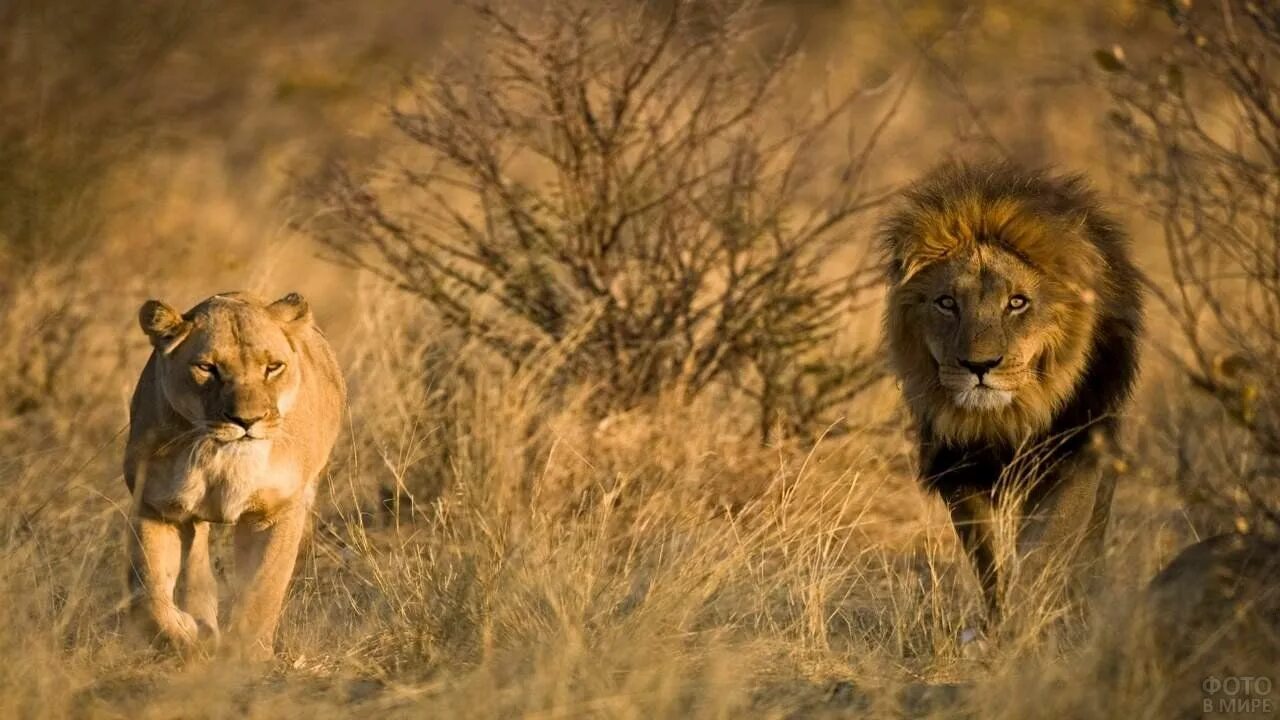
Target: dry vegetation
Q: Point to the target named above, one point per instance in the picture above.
(553, 498)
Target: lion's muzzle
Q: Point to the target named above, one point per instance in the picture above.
(236, 428)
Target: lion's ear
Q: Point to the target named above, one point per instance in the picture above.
(162, 324)
(292, 309)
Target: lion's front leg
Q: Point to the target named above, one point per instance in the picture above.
(265, 556)
(973, 515)
(198, 588)
(1060, 532)
(156, 549)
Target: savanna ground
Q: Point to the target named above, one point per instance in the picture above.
(529, 535)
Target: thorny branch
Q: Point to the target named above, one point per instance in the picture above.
(656, 165)
(1201, 123)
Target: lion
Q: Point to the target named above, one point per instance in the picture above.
(1013, 320)
(232, 420)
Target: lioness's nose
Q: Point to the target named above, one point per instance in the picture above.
(244, 421)
(980, 367)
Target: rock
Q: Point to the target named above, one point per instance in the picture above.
(1214, 618)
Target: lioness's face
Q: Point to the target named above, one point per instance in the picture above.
(987, 319)
(228, 366)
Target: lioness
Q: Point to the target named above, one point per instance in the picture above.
(232, 421)
(1013, 321)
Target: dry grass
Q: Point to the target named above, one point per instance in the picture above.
(539, 564)
(536, 561)
(486, 544)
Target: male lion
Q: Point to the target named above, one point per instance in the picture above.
(232, 420)
(1013, 320)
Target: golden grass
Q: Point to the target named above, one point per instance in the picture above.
(535, 562)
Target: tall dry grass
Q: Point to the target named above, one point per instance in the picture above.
(657, 565)
(541, 563)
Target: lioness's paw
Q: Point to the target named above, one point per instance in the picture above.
(248, 650)
(209, 635)
(177, 627)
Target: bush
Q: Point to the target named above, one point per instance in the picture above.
(1201, 124)
(637, 189)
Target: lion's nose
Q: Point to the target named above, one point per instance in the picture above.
(245, 421)
(980, 367)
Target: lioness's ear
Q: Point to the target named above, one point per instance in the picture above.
(162, 324)
(292, 309)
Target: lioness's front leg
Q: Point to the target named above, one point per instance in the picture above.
(265, 556)
(156, 548)
(197, 588)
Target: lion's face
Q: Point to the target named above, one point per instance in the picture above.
(987, 322)
(228, 366)
(990, 318)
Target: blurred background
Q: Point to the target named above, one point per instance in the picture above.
(602, 280)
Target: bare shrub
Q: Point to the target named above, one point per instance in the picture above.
(1201, 123)
(637, 187)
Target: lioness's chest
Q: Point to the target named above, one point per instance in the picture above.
(221, 482)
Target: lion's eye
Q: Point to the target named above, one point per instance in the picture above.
(274, 368)
(946, 304)
(206, 368)
(1018, 303)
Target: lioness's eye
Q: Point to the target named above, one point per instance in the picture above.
(1018, 303)
(274, 368)
(206, 368)
(946, 303)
